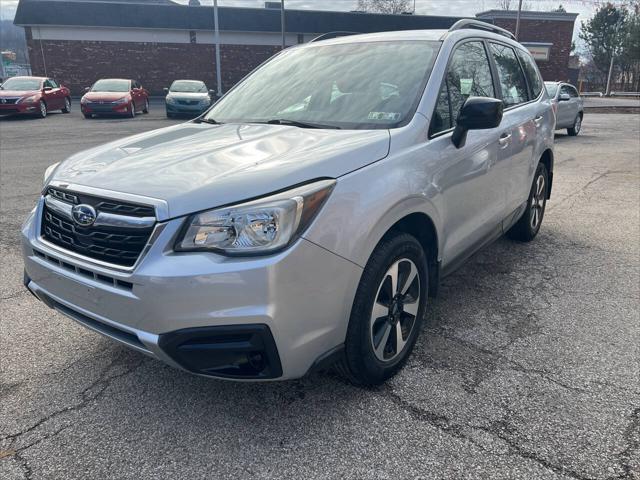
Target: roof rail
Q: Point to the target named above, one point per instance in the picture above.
(328, 35)
(477, 24)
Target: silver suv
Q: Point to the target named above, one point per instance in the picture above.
(306, 218)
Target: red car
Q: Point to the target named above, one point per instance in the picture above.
(34, 96)
(115, 96)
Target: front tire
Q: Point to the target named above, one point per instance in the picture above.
(132, 110)
(67, 105)
(528, 226)
(42, 110)
(387, 311)
(146, 106)
(577, 125)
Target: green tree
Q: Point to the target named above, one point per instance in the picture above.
(604, 34)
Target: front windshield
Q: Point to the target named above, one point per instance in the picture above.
(21, 84)
(111, 86)
(188, 86)
(355, 85)
(552, 88)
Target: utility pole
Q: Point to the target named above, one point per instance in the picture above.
(216, 39)
(282, 23)
(518, 19)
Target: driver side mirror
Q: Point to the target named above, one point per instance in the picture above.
(47, 89)
(564, 97)
(86, 89)
(165, 90)
(477, 113)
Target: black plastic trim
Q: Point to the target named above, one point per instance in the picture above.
(230, 351)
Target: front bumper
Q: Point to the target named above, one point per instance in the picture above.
(106, 108)
(291, 308)
(18, 108)
(186, 109)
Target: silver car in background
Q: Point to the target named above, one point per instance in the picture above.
(187, 97)
(306, 219)
(568, 105)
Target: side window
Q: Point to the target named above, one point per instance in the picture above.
(531, 72)
(573, 92)
(48, 83)
(469, 74)
(565, 89)
(53, 83)
(514, 87)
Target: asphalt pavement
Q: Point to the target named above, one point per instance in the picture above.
(527, 368)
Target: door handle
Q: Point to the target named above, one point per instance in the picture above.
(538, 120)
(504, 140)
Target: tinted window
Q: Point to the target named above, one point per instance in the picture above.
(531, 72)
(514, 88)
(355, 85)
(468, 75)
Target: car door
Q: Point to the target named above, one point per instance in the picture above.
(566, 108)
(58, 93)
(135, 94)
(576, 103)
(49, 95)
(518, 134)
(470, 178)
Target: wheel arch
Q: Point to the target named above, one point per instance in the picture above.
(547, 159)
(422, 227)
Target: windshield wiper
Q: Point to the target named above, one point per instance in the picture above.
(207, 120)
(296, 123)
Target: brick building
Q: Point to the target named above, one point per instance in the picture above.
(547, 35)
(157, 41)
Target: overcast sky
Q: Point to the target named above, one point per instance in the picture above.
(423, 7)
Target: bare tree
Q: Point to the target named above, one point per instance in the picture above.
(385, 6)
(513, 5)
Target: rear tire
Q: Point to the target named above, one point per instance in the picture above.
(67, 105)
(132, 110)
(387, 311)
(528, 226)
(577, 125)
(146, 106)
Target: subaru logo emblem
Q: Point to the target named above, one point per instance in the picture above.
(84, 215)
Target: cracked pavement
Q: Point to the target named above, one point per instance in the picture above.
(528, 366)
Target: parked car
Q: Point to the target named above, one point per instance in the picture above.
(255, 245)
(568, 106)
(187, 97)
(115, 96)
(34, 96)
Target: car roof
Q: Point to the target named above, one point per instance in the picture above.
(30, 77)
(432, 35)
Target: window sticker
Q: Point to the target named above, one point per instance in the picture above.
(393, 116)
(465, 86)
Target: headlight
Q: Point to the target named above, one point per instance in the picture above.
(84, 100)
(49, 171)
(30, 99)
(258, 227)
(121, 100)
(171, 100)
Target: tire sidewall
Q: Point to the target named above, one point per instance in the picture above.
(541, 169)
(360, 355)
(42, 113)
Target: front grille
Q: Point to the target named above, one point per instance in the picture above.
(9, 101)
(119, 245)
(9, 110)
(101, 107)
(188, 102)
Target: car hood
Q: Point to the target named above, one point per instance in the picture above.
(196, 166)
(105, 96)
(17, 93)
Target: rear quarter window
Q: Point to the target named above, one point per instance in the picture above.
(530, 72)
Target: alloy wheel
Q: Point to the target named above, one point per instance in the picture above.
(538, 200)
(578, 124)
(395, 309)
(67, 104)
(43, 109)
